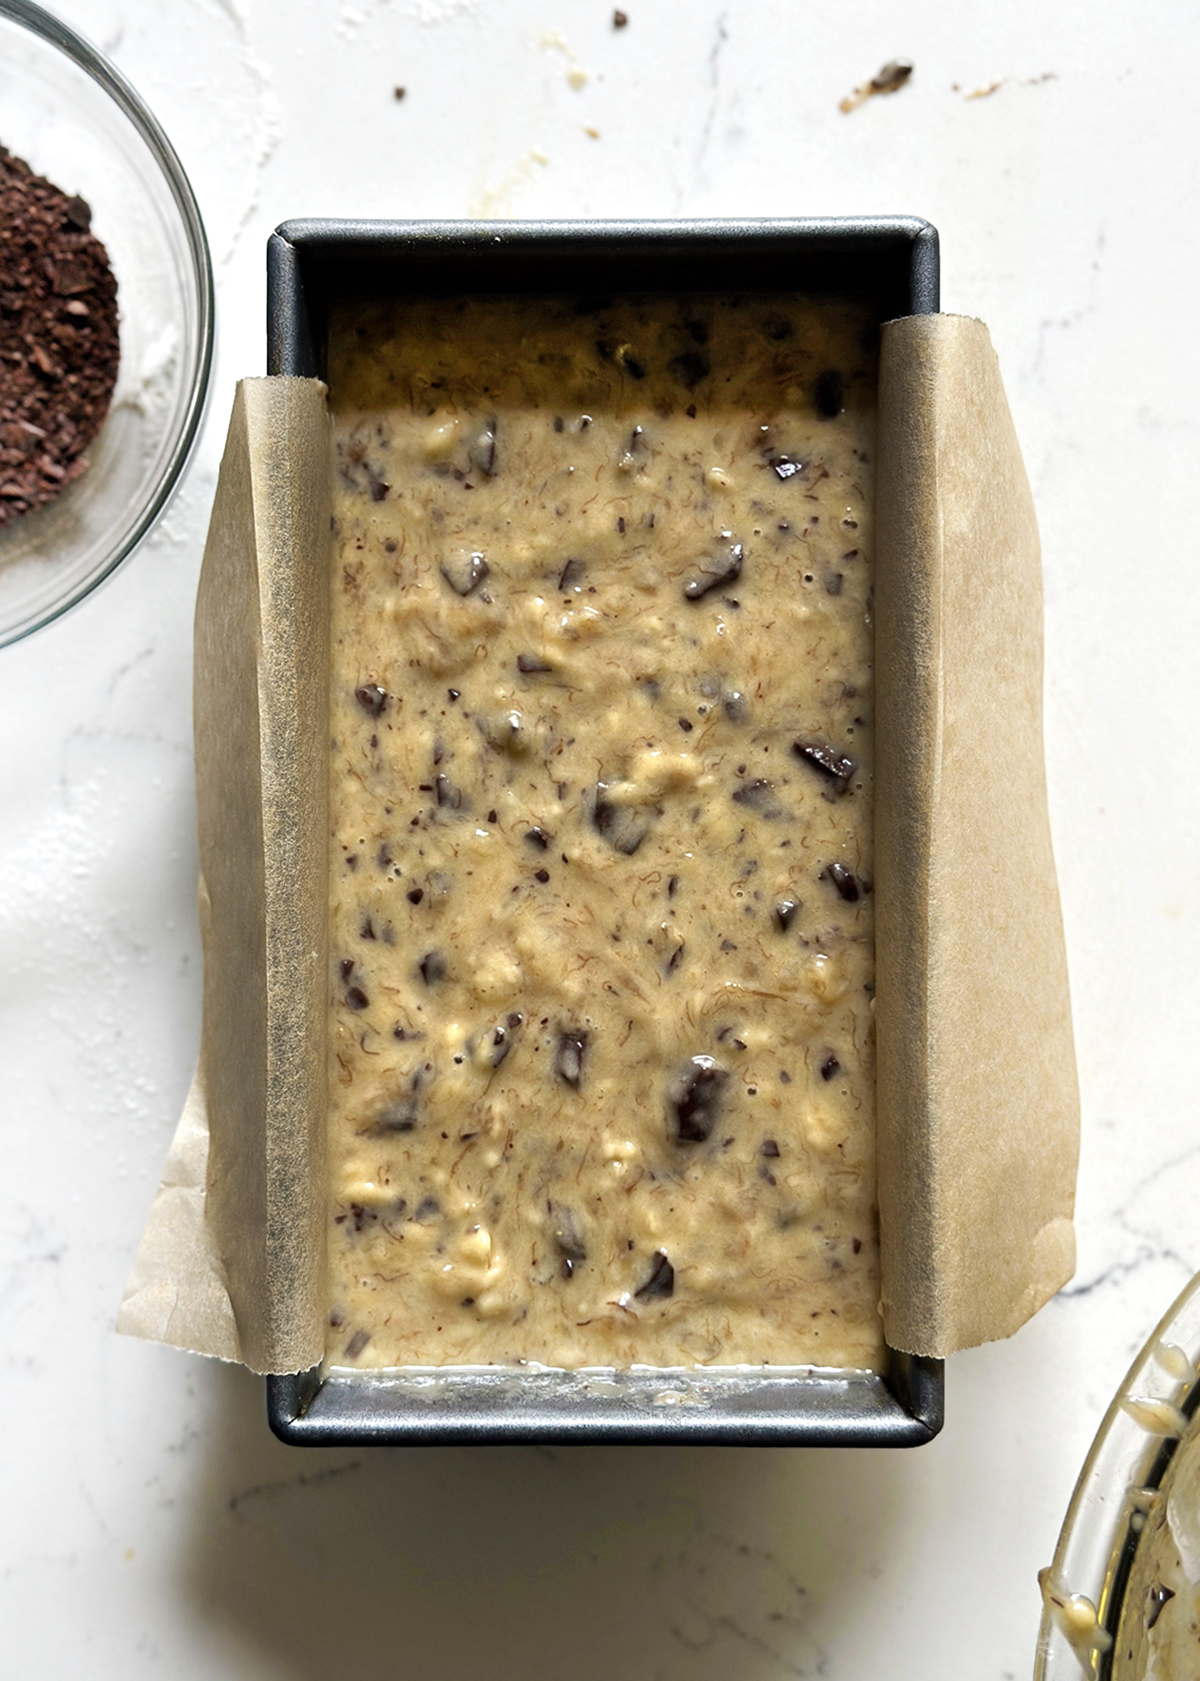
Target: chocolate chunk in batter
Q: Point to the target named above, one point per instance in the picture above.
(482, 451)
(694, 1100)
(571, 575)
(785, 912)
(846, 882)
(714, 574)
(371, 698)
(1159, 1595)
(624, 827)
(786, 466)
(569, 1055)
(759, 795)
(661, 1281)
(449, 796)
(464, 572)
(568, 1237)
(837, 767)
(400, 1115)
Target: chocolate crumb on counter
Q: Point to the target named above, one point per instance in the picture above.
(889, 78)
(601, 1084)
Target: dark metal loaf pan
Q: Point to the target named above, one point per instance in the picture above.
(891, 264)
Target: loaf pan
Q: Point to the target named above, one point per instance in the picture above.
(889, 264)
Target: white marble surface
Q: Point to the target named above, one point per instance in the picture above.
(152, 1526)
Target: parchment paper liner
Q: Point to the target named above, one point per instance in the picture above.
(977, 1099)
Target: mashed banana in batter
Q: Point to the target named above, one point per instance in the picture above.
(602, 1050)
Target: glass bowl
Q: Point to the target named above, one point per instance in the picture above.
(1119, 1492)
(75, 120)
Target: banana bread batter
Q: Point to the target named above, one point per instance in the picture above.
(602, 1049)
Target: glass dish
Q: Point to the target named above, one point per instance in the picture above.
(75, 120)
(1083, 1590)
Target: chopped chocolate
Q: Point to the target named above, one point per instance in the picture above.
(464, 572)
(571, 575)
(624, 827)
(569, 1055)
(449, 795)
(371, 698)
(356, 998)
(785, 912)
(846, 882)
(500, 1040)
(716, 572)
(786, 466)
(357, 1343)
(538, 838)
(433, 967)
(1158, 1596)
(533, 665)
(830, 1067)
(694, 1100)
(482, 451)
(399, 1114)
(568, 1236)
(757, 794)
(836, 766)
(661, 1281)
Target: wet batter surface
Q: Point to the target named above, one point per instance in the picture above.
(602, 1050)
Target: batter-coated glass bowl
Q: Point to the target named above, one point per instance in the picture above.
(1117, 1493)
(75, 120)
